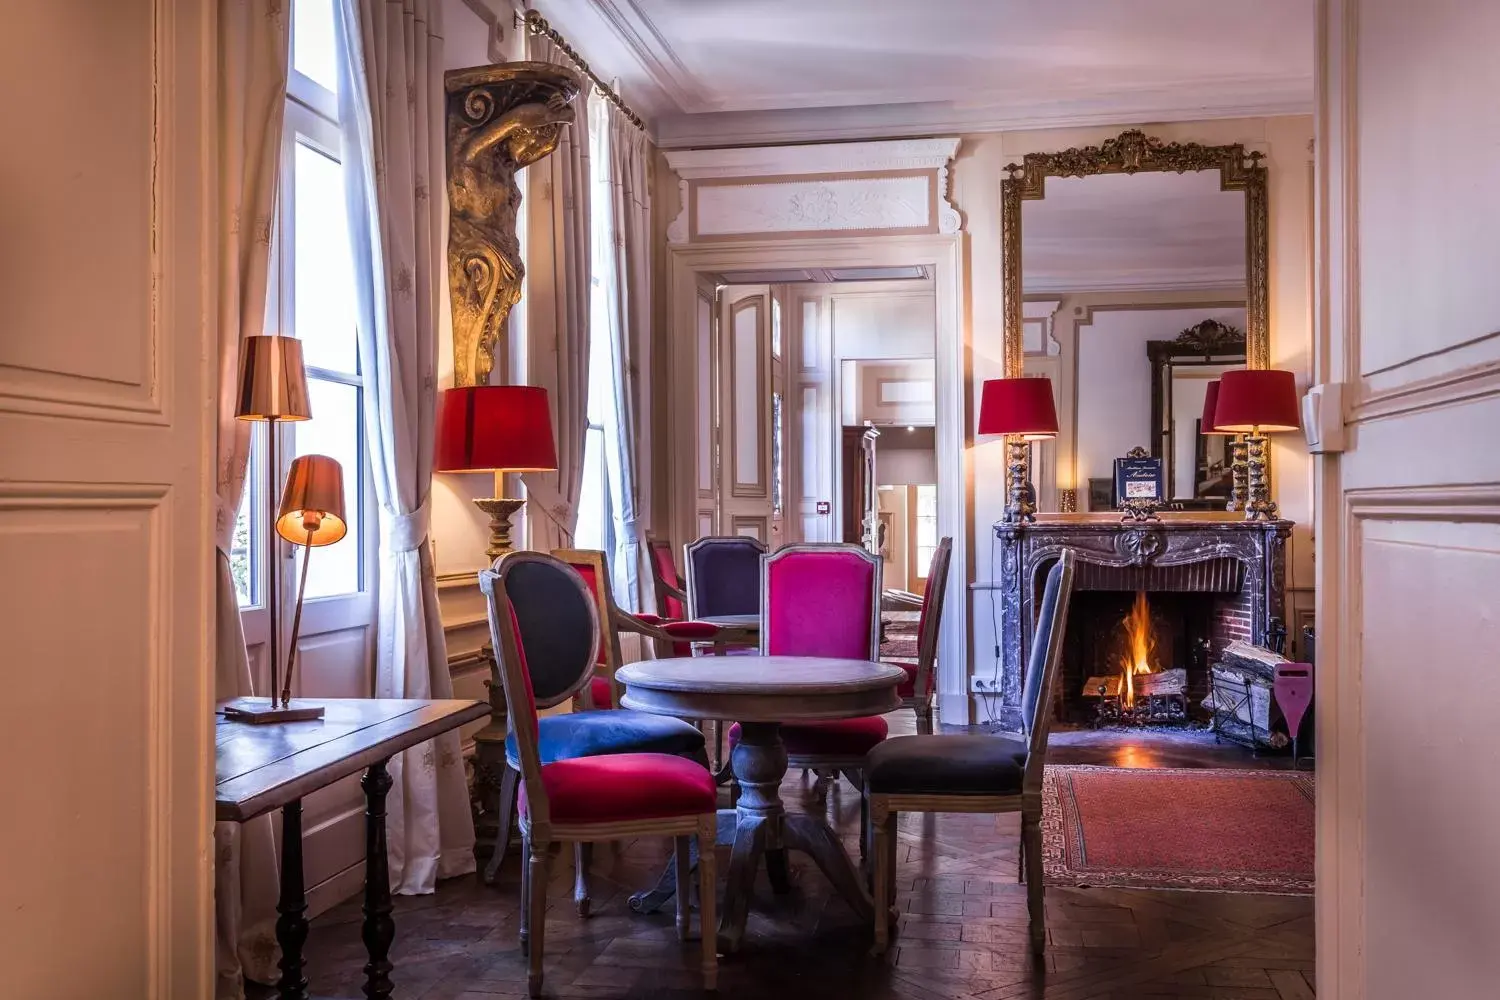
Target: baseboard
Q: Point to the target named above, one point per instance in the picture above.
(335, 889)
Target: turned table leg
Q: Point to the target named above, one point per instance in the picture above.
(759, 762)
(291, 924)
(378, 930)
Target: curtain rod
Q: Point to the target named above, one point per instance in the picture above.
(536, 24)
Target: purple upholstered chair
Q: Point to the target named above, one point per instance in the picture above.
(723, 576)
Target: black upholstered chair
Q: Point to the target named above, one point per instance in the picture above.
(976, 773)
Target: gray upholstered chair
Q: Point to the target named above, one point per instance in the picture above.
(976, 773)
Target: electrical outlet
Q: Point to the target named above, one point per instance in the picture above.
(984, 685)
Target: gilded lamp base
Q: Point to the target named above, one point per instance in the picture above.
(500, 510)
(1021, 505)
(1259, 505)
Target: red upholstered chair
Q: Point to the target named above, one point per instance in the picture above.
(916, 691)
(671, 599)
(588, 799)
(823, 600)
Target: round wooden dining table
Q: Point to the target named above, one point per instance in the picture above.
(762, 693)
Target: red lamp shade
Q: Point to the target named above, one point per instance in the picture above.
(1260, 401)
(495, 428)
(1210, 411)
(1020, 406)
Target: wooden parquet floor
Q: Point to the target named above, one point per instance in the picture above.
(962, 931)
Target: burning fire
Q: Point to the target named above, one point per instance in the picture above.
(1140, 647)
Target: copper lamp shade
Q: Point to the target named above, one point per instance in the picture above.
(1019, 406)
(495, 428)
(313, 501)
(1257, 401)
(273, 384)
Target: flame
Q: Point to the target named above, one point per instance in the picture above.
(1140, 647)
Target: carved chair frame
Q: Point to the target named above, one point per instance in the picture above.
(884, 809)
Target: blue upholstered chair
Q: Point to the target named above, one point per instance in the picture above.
(557, 625)
(976, 773)
(723, 576)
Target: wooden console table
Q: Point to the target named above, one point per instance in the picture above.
(260, 768)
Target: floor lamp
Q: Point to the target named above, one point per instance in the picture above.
(273, 388)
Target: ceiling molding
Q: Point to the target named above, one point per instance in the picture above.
(651, 50)
(682, 131)
(836, 158)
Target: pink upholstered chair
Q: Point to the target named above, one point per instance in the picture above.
(823, 600)
(916, 690)
(588, 799)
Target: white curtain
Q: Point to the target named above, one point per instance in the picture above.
(391, 114)
(252, 63)
(623, 265)
(557, 314)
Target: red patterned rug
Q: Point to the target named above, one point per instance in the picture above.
(1179, 828)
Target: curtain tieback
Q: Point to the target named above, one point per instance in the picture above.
(225, 517)
(630, 531)
(407, 532)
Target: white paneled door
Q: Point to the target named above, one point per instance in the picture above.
(749, 391)
(1408, 525)
(107, 389)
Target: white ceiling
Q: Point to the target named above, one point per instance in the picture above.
(1157, 231)
(707, 71)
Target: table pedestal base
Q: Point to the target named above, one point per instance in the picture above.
(759, 827)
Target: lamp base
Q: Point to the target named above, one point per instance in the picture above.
(500, 511)
(260, 711)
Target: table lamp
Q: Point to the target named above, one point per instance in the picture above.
(312, 515)
(1255, 403)
(1238, 466)
(496, 429)
(273, 388)
(1022, 409)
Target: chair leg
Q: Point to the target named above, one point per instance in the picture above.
(525, 934)
(708, 900)
(583, 856)
(884, 828)
(856, 777)
(536, 905)
(924, 719)
(684, 886)
(1031, 846)
(505, 815)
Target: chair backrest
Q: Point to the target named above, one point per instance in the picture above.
(820, 600)
(1044, 665)
(930, 624)
(557, 623)
(723, 575)
(665, 578)
(526, 639)
(592, 567)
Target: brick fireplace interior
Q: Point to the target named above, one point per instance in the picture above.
(1193, 610)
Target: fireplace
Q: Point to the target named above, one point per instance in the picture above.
(1166, 596)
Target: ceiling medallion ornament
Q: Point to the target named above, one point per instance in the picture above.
(499, 119)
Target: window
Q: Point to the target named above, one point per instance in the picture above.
(312, 297)
(595, 526)
(927, 533)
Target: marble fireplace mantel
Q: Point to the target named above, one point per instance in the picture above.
(1026, 551)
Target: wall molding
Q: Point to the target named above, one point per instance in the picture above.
(892, 188)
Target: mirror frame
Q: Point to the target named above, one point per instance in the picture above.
(1131, 152)
(1206, 343)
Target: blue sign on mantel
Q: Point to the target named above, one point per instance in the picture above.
(1139, 479)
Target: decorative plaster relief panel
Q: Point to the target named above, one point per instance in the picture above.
(889, 187)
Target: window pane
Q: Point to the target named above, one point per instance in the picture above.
(335, 431)
(776, 454)
(927, 535)
(776, 326)
(313, 52)
(323, 282)
(591, 531)
(242, 548)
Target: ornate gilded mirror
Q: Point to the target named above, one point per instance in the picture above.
(1108, 249)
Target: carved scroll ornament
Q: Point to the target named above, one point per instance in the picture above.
(500, 119)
